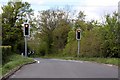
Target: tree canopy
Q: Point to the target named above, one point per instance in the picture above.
(13, 16)
(55, 30)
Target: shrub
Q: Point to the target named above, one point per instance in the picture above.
(6, 52)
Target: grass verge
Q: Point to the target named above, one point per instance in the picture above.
(15, 61)
(113, 61)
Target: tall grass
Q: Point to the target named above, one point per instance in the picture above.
(15, 61)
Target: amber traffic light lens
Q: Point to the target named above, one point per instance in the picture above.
(26, 29)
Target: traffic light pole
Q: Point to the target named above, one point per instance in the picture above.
(78, 37)
(26, 34)
(25, 46)
(78, 48)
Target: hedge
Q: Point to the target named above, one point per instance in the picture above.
(6, 52)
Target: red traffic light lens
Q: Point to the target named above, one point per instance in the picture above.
(26, 29)
(26, 25)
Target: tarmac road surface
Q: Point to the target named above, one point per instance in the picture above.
(56, 68)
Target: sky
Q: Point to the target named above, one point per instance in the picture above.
(93, 9)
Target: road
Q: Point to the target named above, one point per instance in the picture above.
(56, 68)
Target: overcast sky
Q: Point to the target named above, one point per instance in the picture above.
(94, 9)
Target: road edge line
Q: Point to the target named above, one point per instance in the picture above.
(11, 72)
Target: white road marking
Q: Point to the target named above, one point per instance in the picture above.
(68, 60)
(109, 65)
(37, 61)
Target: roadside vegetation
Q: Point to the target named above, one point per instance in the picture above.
(56, 37)
(12, 17)
(53, 33)
(15, 61)
(112, 61)
(11, 60)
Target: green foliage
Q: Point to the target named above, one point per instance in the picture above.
(13, 16)
(112, 61)
(6, 52)
(91, 43)
(71, 36)
(81, 16)
(15, 61)
(60, 36)
(56, 32)
(42, 48)
(98, 40)
(54, 27)
(71, 47)
(34, 47)
(110, 34)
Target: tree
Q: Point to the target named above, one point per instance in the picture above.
(54, 26)
(60, 35)
(81, 16)
(14, 14)
(110, 34)
(98, 40)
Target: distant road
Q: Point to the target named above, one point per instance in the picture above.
(55, 68)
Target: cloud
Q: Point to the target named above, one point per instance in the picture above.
(96, 9)
(101, 2)
(90, 12)
(35, 2)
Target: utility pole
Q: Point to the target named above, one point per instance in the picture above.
(78, 37)
(26, 29)
(25, 46)
(78, 48)
(26, 34)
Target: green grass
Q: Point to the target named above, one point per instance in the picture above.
(113, 61)
(15, 61)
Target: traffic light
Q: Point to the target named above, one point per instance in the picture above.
(78, 34)
(26, 29)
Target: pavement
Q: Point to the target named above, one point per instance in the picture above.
(57, 68)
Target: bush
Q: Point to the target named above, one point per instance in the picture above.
(19, 47)
(71, 49)
(42, 49)
(71, 46)
(15, 61)
(6, 52)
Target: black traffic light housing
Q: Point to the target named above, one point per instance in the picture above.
(78, 34)
(26, 29)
